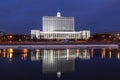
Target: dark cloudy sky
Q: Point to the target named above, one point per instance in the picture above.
(20, 16)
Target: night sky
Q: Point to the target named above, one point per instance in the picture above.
(20, 16)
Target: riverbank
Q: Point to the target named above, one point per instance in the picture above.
(56, 45)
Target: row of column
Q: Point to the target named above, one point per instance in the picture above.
(62, 35)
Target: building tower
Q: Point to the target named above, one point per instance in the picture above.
(58, 23)
(58, 14)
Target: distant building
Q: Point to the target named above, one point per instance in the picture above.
(35, 34)
(2, 33)
(115, 35)
(58, 23)
(59, 27)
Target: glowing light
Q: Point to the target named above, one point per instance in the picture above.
(58, 54)
(103, 53)
(24, 56)
(11, 36)
(92, 52)
(77, 52)
(4, 53)
(85, 52)
(11, 55)
(67, 54)
(110, 54)
(118, 55)
(58, 74)
(25, 50)
(0, 51)
(37, 50)
(51, 56)
(10, 50)
(4, 50)
(44, 51)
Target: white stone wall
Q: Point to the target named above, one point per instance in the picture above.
(35, 34)
(66, 35)
(85, 34)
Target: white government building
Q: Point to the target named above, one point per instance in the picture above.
(59, 27)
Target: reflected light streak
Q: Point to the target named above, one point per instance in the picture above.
(37, 54)
(58, 74)
(10, 54)
(58, 54)
(67, 54)
(118, 55)
(37, 50)
(24, 54)
(10, 50)
(4, 54)
(25, 50)
(77, 52)
(110, 54)
(85, 53)
(92, 52)
(51, 56)
(44, 51)
(103, 53)
(0, 51)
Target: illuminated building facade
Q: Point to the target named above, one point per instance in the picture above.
(35, 34)
(59, 27)
(58, 23)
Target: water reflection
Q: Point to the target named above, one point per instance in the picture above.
(59, 54)
(10, 54)
(118, 55)
(24, 54)
(92, 52)
(58, 61)
(35, 55)
(110, 53)
(103, 52)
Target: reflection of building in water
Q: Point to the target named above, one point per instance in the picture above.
(59, 27)
(92, 52)
(84, 54)
(35, 55)
(58, 61)
(61, 61)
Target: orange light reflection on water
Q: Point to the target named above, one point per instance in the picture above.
(103, 53)
(92, 52)
(24, 54)
(118, 55)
